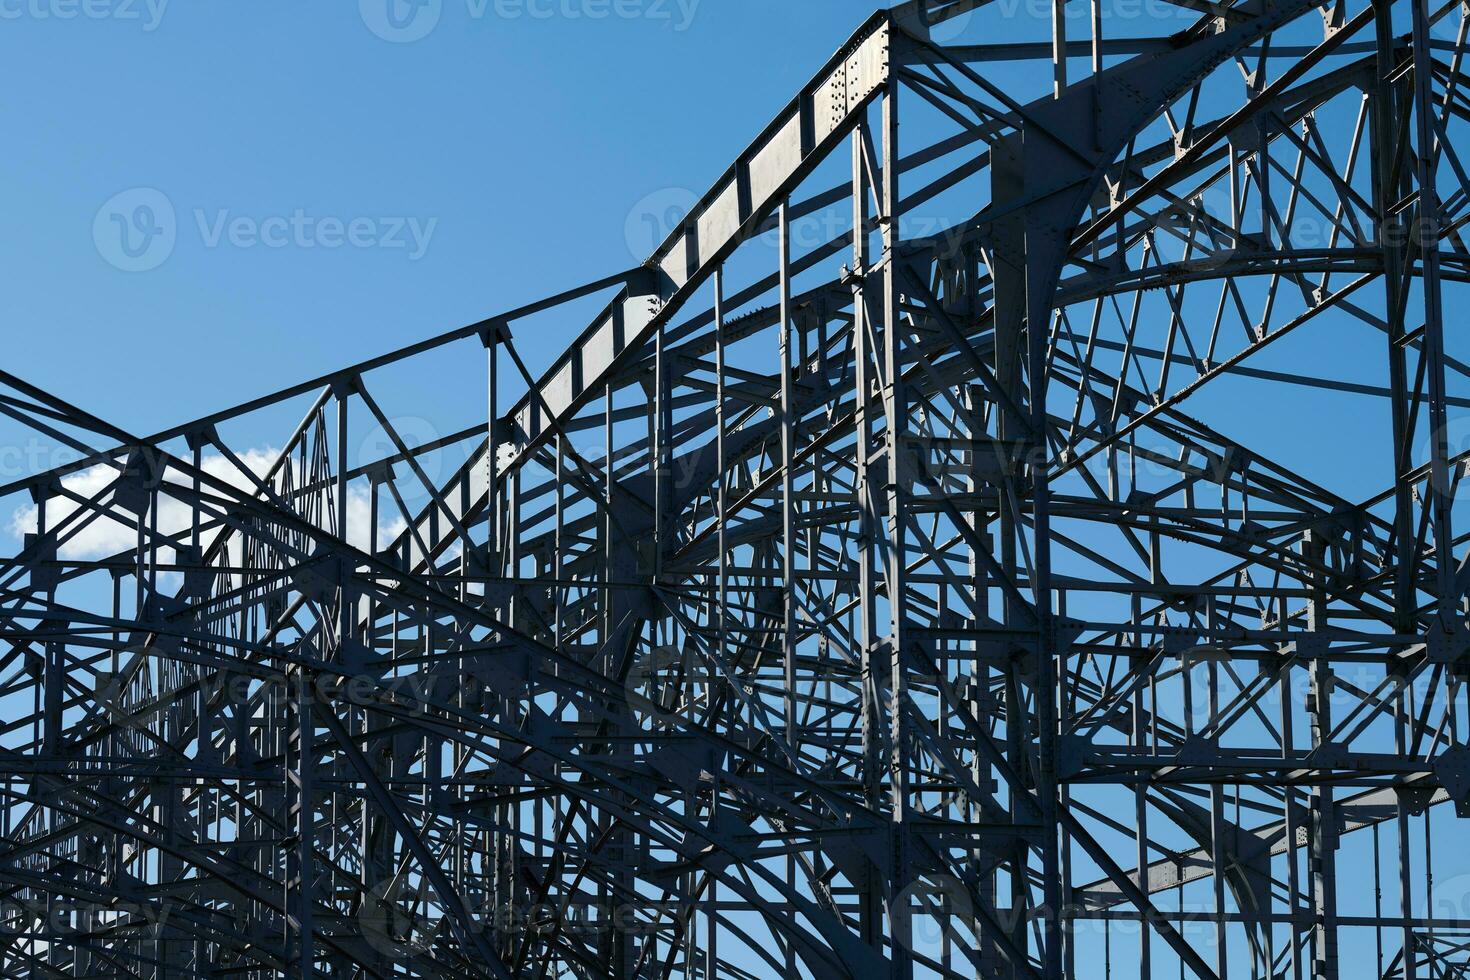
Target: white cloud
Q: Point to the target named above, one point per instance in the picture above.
(105, 537)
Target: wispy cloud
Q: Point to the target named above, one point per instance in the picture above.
(104, 536)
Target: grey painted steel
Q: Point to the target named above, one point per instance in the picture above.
(895, 598)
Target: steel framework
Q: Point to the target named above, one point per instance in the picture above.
(855, 596)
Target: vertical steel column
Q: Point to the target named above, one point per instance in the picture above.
(1059, 46)
(1140, 832)
(558, 505)
(895, 404)
(1427, 245)
(1322, 859)
(491, 338)
(1389, 186)
(1038, 327)
(1387, 189)
(788, 516)
(1219, 850)
(870, 912)
(788, 503)
(1008, 264)
(609, 603)
(722, 587)
(1289, 822)
(659, 451)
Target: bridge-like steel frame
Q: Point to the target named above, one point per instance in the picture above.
(886, 583)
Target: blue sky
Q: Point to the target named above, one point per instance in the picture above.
(300, 152)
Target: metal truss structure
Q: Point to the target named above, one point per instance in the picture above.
(1006, 530)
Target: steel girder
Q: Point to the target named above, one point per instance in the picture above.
(855, 595)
